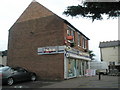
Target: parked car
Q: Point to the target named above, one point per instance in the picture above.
(10, 75)
(1, 65)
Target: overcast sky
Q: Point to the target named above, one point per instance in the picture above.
(97, 31)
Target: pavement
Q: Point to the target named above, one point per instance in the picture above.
(80, 82)
(88, 82)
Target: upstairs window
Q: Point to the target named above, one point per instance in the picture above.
(71, 32)
(79, 39)
(84, 42)
(68, 32)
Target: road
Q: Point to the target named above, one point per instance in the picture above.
(81, 82)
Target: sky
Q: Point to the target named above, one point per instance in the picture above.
(98, 31)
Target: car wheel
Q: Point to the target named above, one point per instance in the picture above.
(10, 81)
(33, 77)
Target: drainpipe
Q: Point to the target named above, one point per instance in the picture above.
(101, 54)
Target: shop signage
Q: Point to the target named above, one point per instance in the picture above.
(50, 50)
(76, 52)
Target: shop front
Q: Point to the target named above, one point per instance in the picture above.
(76, 63)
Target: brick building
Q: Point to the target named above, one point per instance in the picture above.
(46, 44)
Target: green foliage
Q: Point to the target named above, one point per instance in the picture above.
(94, 10)
(91, 54)
(4, 53)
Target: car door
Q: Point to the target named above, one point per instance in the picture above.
(24, 75)
(15, 74)
(20, 74)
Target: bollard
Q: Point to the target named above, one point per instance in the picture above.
(99, 76)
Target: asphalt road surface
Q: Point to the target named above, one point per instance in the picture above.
(81, 82)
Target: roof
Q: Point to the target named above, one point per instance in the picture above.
(109, 44)
(33, 11)
(36, 10)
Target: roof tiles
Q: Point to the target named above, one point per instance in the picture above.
(109, 44)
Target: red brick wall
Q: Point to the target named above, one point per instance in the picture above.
(34, 11)
(27, 36)
(76, 40)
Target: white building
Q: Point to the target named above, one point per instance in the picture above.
(110, 52)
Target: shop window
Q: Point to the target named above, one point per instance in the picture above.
(87, 65)
(71, 68)
(80, 68)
